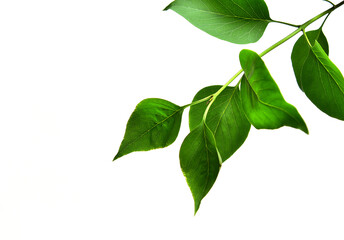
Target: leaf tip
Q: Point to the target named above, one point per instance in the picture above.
(197, 204)
(303, 127)
(118, 155)
(305, 130)
(168, 6)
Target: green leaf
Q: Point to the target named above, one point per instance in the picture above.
(302, 50)
(200, 162)
(236, 21)
(318, 76)
(155, 123)
(225, 118)
(262, 100)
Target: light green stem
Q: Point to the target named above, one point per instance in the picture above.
(207, 110)
(309, 43)
(229, 82)
(300, 28)
(198, 102)
(285, 23)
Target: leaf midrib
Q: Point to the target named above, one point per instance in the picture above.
(226, 107)
(334, 80)
(208, 161)
(229, 16)
(144, 133)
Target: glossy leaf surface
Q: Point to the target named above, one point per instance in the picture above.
(236, 21)
(262, 100)
(318, 76)
(155, 123)
(225, 118)
(200, 162)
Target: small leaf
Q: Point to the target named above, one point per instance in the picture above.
(155, 123)
(200, 162)
(225, 118)
(302, 50)
(318, 76)
(236, 21)
(262, 100)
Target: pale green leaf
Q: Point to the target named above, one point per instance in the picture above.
(236, 21)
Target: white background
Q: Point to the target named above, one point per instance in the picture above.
(71, 73)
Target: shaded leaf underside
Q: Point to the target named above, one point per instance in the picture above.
(262, 100)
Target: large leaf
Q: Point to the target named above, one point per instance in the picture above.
(262, 100)
(225, 118)
(318, 77)
(236, 21)
(302, 50)
(155, 123)
(200, 162)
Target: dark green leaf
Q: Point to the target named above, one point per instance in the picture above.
(225, 118)
(302, 50)
(318, 77)
(155, 123)
(262, 100)
(200, 162)
(236, 21)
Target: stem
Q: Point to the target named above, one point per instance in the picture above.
(280, 42)
(309, 43)
(224, 86)
(285, 23)
(300, 28)
(330, 2)
(325, 20)
(207, 110)
(197, 102)
(214, 96)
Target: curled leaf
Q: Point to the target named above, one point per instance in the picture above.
(317, 75)
(262, 100)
